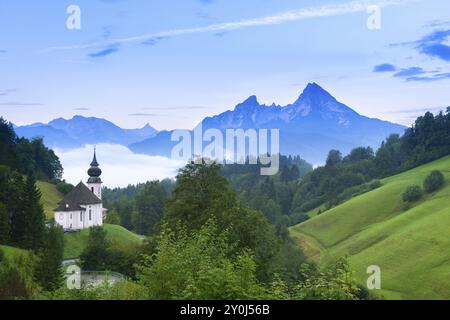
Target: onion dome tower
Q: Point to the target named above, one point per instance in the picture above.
(95, 182)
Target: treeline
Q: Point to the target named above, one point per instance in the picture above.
(27, 156)
(139, 208)
(272, 195)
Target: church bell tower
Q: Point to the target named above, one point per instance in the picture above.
(94, 182)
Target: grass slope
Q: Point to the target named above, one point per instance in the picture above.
(50, 197)
(412, 247)
(120, 238)
(12, 252)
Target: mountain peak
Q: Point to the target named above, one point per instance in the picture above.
(250, 102)
(315, 92)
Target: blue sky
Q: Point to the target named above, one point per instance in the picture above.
(171, 63)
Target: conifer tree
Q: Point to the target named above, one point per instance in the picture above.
(4, 225)
(49, 272)
(28, 223)
(17, 206)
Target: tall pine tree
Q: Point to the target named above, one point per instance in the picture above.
(49, 273)
(35, 216)
(28, 220)
(17, 207)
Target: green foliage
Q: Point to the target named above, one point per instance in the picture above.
(433, 181)
(140, 207)
(285, 266)
(389, 156)
(24, 155)
(335, 282)
(100, 254)
(196, 265)
(95, 255)
(4, 225)
(48, 270)
(427, 140)
(125, 209)
(412, 193)
(112, 217)
(359, 154)
(273, 196)
(149, 204)
(334, 157)
(202, 194)
(16, 278)
(64, 187)
(28, 218)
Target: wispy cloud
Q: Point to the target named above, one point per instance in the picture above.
(153, 41)
(176, 108)
(385, 67)
(413, 73)
(81, 109)
(142, 114)
(104, 52)
(410, 72)
(20, 104)
(433, 45)
(279, 18)
(434, 77)
(436, 23)
(6, 92)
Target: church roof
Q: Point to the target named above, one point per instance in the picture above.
(80, 195)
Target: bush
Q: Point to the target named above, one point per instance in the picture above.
(64, 187)
(434, 181)
(412, 193)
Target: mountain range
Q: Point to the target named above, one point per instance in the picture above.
(311, 126)
(78, 131)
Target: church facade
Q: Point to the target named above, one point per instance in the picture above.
(82, 207)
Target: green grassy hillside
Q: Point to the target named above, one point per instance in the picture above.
(12, 252)
(50, 197)
(120, 238)
(412, 247)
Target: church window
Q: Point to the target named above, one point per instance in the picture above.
(92, 189)
(81, 216)
(90, 215)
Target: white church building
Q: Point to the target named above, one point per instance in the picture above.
(82, 207)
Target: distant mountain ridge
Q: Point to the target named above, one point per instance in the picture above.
(79, 131)
(311, 126)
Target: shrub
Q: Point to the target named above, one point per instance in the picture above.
(434, 181)
(412, 193)
(64, 187)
